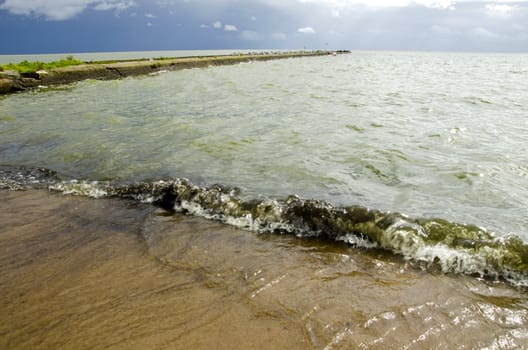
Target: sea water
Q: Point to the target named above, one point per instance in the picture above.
(421, 156)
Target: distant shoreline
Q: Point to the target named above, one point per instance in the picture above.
(107, 70)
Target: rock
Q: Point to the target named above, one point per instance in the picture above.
(9, 74)
(6, 85)
(32, 75)
(42, 73)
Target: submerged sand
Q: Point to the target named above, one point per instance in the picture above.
(77, 273)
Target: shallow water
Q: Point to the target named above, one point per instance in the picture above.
(74, 277)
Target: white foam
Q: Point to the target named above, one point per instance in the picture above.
(451, 260)
(91, 189)
(357, 241)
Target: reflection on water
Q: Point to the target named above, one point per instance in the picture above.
(75, 277)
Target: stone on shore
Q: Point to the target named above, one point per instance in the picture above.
(6, 85)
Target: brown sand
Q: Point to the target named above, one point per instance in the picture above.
(75, 275)
(108, 274)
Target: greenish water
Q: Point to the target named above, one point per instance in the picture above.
(428, 135)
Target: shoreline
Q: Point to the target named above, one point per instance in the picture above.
(11, 82)
(110, 273)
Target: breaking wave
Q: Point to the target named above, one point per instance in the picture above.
(429, 242)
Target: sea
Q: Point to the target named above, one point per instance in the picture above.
(370, 200)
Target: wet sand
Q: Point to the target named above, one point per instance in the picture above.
(111, 274)
(75, 274)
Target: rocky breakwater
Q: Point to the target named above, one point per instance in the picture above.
(13, 81)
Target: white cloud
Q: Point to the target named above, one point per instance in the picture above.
(60, 10)
(217, 25)
(204, 26)
(149, 15)
(279, 36)
(230, 28)
(342, 4)
(483, 33)
(306, 30)
(443, 30)
(498, 10)
(250, 35)
(441, 4)
(115, 5)
(518, 26)
(66, 9)
(392, 3)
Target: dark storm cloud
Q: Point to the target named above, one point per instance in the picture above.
(209, 24)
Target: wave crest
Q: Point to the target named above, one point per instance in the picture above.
(432, 243)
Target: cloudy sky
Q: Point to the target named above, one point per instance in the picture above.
(55, 26)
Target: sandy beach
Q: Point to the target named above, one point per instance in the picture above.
(75, 277)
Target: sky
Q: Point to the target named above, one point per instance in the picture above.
(70, 26)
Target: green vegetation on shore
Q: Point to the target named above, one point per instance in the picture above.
(31, 67)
